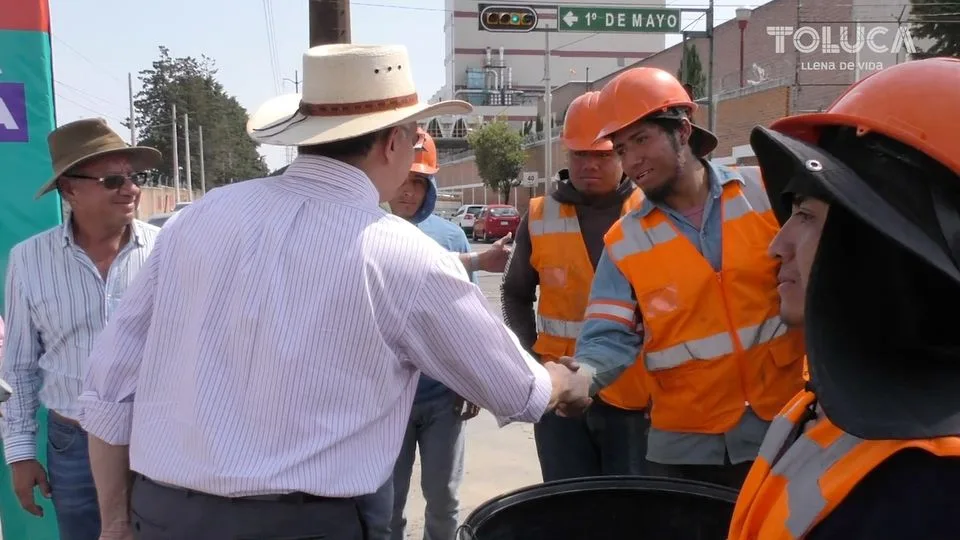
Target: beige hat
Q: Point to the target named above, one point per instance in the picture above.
(76, 142)
(348, 91)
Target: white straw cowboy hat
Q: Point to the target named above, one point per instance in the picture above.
(348, 91)
(74, 143)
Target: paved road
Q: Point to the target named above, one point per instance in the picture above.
(497, 460)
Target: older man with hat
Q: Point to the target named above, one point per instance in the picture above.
(260, 377)
(62, 286)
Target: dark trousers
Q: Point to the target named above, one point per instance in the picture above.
(165, 513)
(728, 475)
(604, 441)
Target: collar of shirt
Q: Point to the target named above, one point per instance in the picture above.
(326, 178)
(718, 178)
(66, 232)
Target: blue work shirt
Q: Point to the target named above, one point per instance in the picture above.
(610, 348)
(452, 238)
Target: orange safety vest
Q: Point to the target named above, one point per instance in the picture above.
(714, 341)
(560, 256)
(800, 477)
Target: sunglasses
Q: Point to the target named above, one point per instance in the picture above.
(113, 181)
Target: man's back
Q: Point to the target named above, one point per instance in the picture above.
(296, 290)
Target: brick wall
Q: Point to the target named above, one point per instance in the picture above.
(816, 88)
(736, 117)
(159, 200)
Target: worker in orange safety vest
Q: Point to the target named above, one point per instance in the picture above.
(869, 193)
(557, 247)
(691, 267)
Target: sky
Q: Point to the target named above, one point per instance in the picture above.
(255, 44)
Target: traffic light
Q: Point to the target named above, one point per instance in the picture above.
(507, 18)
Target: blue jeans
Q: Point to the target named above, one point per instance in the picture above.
(604, 441)
(71, 481)
(438, 431)
(377, 511)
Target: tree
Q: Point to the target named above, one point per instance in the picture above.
(691, 71)
(936, 21)
(191, 84)
(499, 156)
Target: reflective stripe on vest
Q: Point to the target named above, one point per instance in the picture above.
(559, 327)
(752, 198)
(714, 340)
(801, 474)
(552, 222)
(560, 257)
(716, 345)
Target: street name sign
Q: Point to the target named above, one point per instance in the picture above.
(615, 19)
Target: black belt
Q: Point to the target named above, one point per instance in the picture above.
(297, 497)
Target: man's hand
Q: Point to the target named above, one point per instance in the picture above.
(495, 258)
(571, 390)
(26, 475)
(568, 361)
(464, 409)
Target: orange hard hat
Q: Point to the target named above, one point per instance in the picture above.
(425, 157)
(638, 93)
(914, 103)
(582, 123)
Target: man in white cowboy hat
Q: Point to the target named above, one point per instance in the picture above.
(260, 376)
(62, 286)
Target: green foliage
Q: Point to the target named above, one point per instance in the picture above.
(935, 20)
(499, 155)
(191, 84)
(691, 71)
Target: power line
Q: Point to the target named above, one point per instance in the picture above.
(90, 109)
(88, 60)
(638, 5)
(85, 93)
(272, 44)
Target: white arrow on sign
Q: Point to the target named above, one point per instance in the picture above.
(570, 18)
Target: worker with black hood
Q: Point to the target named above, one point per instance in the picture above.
(869, 196)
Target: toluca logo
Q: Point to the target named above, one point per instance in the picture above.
(13, 113)
(875, 38)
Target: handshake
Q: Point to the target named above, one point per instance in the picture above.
(571, 387)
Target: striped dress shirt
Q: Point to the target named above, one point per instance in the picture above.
(56, 305)
(274, 341)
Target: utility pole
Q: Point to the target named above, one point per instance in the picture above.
(133, 121)
(713, 98)
(292, 150)
(329, 22)
(186, 142)
(203, 176)
(176, 158)
(295, 80)
(548, 121)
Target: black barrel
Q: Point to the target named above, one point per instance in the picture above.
(602, 508)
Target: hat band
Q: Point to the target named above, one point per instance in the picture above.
(357, 107)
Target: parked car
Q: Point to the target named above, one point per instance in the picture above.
(466, 215)
(496, 221)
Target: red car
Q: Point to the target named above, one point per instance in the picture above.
(495, 221)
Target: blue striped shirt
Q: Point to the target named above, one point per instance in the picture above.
(274, 340)
(56, 305)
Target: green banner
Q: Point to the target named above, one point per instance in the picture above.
(26, 117)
